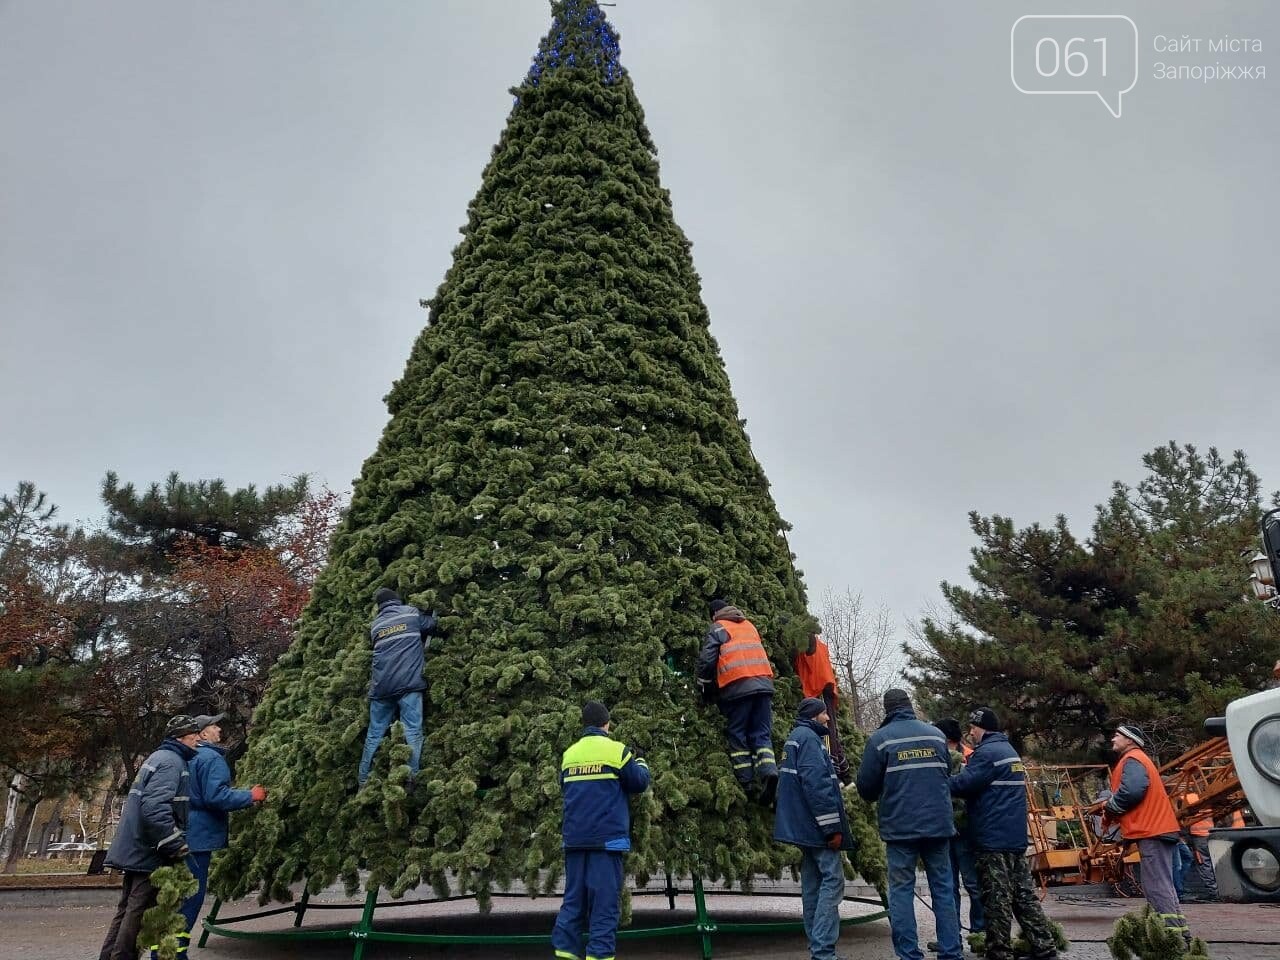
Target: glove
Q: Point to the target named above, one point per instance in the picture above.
(175, 849)
(835, 841)
(258, 793)
(636, 752)
(706, 691)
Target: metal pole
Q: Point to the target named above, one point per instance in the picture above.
(213, 915)
(705, 926)
(361, 933)
(301, 907)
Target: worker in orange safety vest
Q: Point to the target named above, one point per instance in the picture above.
(734, 671)
(1140, 804)
(818, 680)
(1198, 840)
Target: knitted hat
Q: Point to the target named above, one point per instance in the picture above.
(595, 713)
(716, 606)
(895, 699)
(985, 719)
(810, 707)
(1134, 733)
(385, 595)
(950, 728)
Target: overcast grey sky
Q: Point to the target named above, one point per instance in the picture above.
(933, 293)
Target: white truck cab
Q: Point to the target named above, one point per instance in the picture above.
(1247, 859)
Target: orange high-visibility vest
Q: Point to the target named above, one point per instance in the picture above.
(742, 655)
(1237, 820)
(815, 670)
(1153, 816)
(966, 751)
(1202, 826)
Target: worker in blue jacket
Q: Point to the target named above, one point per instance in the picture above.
(994, 782)
(401, 634)
(596, 776)
(212, 799)
(905, 768)
(811, 816)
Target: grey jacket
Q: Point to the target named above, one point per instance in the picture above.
(153, 823)
(710, 657)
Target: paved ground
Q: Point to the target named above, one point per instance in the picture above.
(74, 932)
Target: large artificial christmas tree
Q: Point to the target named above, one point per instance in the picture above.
(565, 480)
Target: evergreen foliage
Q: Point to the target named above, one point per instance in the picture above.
(565, 480)
(1147, 621)
(1142, 935)
(1021, 945)
(147, 527)
(162, 923)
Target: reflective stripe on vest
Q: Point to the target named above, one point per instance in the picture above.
(1153, 816)
(593, 758)
(742, 655)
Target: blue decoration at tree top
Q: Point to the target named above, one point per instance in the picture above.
(579, 37)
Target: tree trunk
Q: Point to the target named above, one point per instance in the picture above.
(9, 833)
(51, 822)
(114, 786)
(20, 836)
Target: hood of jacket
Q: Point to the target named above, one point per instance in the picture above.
(181, 749)
(729, 613)
(819, 728)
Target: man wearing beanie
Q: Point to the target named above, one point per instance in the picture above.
(734, 669)
(994, 783)
(400, 634)
(151, 833)
(1140, 804)
(811, 816)
(596, 775)
(905, 770)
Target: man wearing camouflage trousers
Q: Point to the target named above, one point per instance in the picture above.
(994, 783)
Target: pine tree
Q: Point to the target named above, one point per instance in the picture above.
(565, 480)
(145, 528)
(1147, 621)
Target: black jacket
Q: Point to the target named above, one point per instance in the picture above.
(400, 634)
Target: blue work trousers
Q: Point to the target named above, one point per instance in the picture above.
(592, 892)
(198, 863)
(964, 872)
(749, 733)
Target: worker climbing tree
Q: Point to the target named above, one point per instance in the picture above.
(566, 482)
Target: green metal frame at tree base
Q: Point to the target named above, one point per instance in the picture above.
(703, 927)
